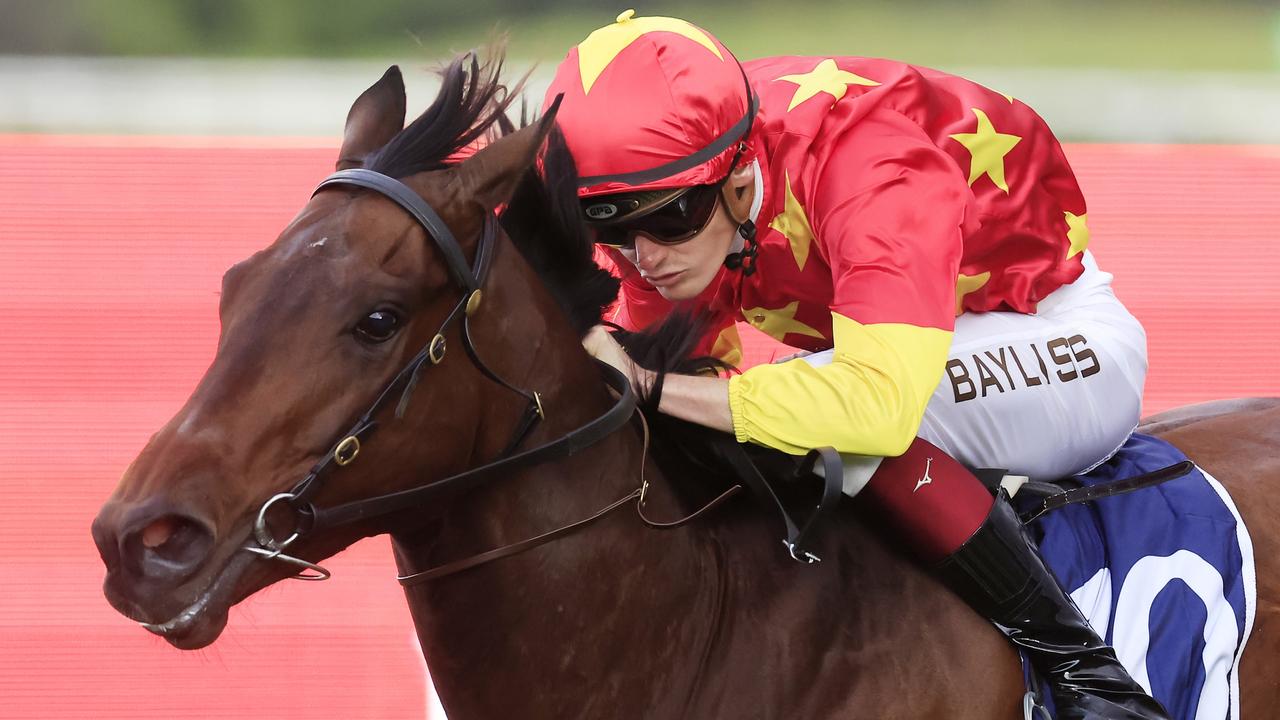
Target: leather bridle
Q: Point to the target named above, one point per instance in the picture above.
(309, 519)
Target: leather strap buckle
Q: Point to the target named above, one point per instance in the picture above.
(347, 450)
(435, 351)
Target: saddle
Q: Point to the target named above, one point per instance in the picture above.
(824, 465)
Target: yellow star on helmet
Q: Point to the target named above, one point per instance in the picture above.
(794, 224)
(1077, 233)
(987, 149)
(602, 46)
(825, 78)
(777, 323)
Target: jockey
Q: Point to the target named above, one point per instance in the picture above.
(925, 239)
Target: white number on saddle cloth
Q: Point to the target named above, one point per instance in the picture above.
(1136, 647)
(1132, 638)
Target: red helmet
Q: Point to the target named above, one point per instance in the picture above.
(650, 104)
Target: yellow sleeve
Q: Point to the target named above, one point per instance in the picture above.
(868, 401)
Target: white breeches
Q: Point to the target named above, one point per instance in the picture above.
(1044, 395)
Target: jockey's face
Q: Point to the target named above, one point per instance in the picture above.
(683, 271)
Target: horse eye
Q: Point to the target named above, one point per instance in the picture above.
(378, 326)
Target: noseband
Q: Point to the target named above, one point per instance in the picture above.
(309, 519)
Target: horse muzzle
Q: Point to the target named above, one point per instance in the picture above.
(158, 560)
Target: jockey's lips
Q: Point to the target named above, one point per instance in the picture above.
(668, 217)
(662, 280)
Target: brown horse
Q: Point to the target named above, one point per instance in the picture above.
(615, 620)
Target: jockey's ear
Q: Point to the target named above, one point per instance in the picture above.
(375, 117)
(739, 190)
(490, 176)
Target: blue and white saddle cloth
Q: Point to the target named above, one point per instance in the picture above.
(1165, 575)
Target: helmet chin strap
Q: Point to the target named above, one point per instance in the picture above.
(743, 249)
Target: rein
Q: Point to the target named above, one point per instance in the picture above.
(638, 495)
(309, 518)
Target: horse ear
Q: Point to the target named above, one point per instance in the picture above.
(491, 175)
(376, 116)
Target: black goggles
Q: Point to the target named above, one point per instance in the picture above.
(670, 219)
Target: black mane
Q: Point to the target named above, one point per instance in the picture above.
(544, 221)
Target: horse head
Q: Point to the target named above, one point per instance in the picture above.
(354, 302)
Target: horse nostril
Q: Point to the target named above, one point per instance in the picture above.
(158, 532)
(168, 548)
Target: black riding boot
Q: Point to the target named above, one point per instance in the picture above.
(1000, 573)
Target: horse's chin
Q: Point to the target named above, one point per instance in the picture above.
(201, 622)
(197, 625)
(200, 632)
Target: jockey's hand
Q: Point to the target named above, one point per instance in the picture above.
(702, 400)
(600, 345)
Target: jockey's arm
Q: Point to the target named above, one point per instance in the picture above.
(797, 406)
(793, 408)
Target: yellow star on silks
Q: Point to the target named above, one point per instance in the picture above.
(966, 284)
(1078, 234)
(794, 224)
(987, 148)
(778, 322)
(825, 78)
(728, 345)
(602, 46)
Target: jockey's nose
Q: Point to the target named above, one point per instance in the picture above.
(163, 546)
(648, 253)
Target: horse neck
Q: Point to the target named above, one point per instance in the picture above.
(510, 619)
